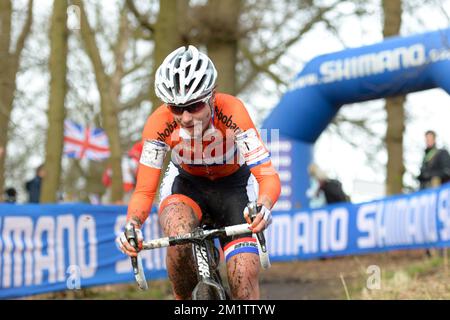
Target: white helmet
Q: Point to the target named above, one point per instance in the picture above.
(185, 76)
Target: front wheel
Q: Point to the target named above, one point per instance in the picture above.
(208, 290)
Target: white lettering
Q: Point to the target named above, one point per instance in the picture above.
(372, 63)
(338, 229)
(280, 238)
(65, 225)
(301, 235)
(365, 223)
(45, 225)
(319, 231)
(86, 224)
(19, 227)
(444, 214)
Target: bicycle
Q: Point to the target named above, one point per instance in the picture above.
(206, 256)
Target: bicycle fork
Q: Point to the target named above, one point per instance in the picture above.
(206, 268)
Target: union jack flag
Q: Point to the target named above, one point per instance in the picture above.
(85, 142)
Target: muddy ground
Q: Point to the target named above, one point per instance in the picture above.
(327, 279)
(404, 274)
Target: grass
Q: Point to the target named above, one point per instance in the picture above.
(424, 280)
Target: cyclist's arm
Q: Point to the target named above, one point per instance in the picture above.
(149, 169)
(269, 184)
(258, 158)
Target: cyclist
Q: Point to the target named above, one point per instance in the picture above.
(216, 156)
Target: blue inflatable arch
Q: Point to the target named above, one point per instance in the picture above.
(398, 65)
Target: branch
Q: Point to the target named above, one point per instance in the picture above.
(92, 50)
(141, 19)
(24, 34)
(120, 49)
(138, 65)
(264, 66)
(136, 101)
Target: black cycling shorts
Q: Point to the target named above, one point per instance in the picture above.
(221, 201)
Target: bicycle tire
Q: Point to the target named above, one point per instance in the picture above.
(205, 292)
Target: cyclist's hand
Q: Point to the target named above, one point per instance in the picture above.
(123, 243)
(262, 220)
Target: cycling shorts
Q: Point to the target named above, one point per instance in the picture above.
(217, 203)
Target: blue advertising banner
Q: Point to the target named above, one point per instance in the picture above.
(45, 248)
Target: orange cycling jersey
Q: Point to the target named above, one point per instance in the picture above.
(230, 141)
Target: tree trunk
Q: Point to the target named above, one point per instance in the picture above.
(108, 106)
(223, 41)
(9, 65)
(166, 39)
(394, 107)
(56, 110)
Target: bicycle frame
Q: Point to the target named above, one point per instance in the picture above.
(207, 272)
(203, 247)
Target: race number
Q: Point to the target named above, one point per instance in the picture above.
(153, 153)
(251, 148)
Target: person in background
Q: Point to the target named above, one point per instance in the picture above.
(331, 188)
(10, 195)
(33, 186)
(435, 168)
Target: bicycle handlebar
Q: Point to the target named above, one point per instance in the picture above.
(195, 236)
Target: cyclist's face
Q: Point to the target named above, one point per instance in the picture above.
(194, 119)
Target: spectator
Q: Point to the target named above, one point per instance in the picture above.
(331, 188)
(10, 195)
(435, 168)
(33, 186)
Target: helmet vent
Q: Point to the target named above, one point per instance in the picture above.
(199, 65)
(202, 81)
(176, 83)
(177, 62)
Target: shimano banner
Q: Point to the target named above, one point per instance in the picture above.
(398, 65)
(46, 248)
(417, 220)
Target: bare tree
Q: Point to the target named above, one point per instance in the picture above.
(9, 66)
(56, 110)
(109, 90)
(394, 107)
(165, 33)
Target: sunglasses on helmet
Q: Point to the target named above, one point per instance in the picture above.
(191, 108)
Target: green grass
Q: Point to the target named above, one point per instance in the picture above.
(426, 279)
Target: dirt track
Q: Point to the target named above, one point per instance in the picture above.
(302, 280)
(321, 279)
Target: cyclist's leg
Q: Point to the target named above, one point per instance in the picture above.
(241, 253)
(243, 269)
(179, 214)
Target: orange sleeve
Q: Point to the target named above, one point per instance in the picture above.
(258, 159)
(158, 129)
(268, 181)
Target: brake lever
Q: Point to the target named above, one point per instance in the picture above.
(253, 209)
(136, 262)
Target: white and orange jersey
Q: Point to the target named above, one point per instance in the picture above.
(230, 141)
